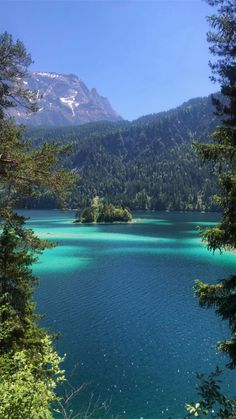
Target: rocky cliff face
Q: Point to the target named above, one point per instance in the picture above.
(64, 100)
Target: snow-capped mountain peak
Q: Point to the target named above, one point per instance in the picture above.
(64, 100)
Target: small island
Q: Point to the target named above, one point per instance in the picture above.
(100, 212)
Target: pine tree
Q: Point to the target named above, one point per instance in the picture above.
(17, 311)
(222, 153)
(14, 62)
(29, 366)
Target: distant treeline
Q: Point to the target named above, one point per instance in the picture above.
(146, 164)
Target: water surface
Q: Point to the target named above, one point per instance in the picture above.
(121, 296)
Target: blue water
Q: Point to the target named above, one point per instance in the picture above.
(121, 297)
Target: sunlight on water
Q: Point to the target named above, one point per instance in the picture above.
(62, 258)
(121, 297)
(95, 234)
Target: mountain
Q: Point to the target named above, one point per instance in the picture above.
(145, 164)
(64, 100)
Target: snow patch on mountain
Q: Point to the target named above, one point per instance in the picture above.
(71, 102)
(51, 75)
(64, 100)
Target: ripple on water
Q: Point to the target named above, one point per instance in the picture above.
(121, 297)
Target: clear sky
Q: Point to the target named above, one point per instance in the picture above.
(144, 56)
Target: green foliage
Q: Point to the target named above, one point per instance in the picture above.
(27, 172)
(111, 214)
(99, 212)
(14, 61)
(145, 164)
(28, 383)
(222, 298)
(222, 152)
(18, 248)
(214, 403)
(88, 216)
(29, 366)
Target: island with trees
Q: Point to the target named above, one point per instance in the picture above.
(100, 212)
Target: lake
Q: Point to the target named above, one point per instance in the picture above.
(121, 297)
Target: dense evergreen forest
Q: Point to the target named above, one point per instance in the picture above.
(145, 164)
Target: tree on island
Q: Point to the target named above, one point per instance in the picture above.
(222, 237)
(100, 212)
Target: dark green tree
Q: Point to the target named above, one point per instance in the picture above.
(29, 366)
(27, 172)
(222, 153)
(17, 311)
(14, 62)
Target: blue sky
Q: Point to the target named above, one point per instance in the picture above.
(145, 56)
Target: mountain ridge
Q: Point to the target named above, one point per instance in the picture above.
(145, 164)
(63, 100)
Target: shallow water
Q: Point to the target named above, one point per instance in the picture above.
(121, 296)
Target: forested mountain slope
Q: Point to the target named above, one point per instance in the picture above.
(145, 164)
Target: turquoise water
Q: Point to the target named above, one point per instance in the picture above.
(121, 297)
